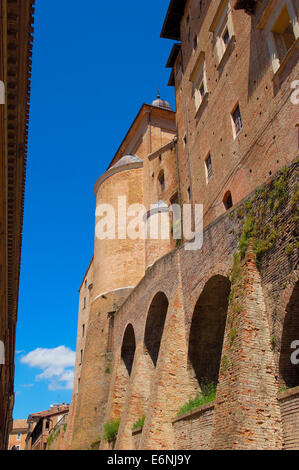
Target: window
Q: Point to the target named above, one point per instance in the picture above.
(189, 193)
(237, 121)
(209, 169)
(18, 436)
(222, 27)
(83, 330)
(282, 31)
(84, 302)
(161, 179)
(227, 200)
(85, 282)
(110, 332)
(199, 80)
(195, 42)
(81, 356)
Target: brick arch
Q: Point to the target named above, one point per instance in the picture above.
(123, 369)
(154, 327)
(128, 348)
(288, 372)
(207, 332)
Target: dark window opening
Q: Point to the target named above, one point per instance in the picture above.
(228, 200)
(226, 37)
(209, 168)
(195, 42)
(162, 181)
(237, 118)
(110, 331)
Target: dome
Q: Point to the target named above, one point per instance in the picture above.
(158, 103)
(160, 205)
(126, 160)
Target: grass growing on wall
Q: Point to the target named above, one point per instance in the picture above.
(207, 395)
(111, 430)
(139, 423)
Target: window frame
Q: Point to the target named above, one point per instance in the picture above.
(223, 22)
(198, 77)
(209, 174)
(271, 21)
(236, 132)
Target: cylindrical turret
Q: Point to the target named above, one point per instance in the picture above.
(119, 261)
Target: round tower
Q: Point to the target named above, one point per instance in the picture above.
(119, 261)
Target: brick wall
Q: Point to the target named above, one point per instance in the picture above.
(245, 77)
(289, 404)
(252, 383)
(193, 431)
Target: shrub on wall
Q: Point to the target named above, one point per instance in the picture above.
(207, 395)
(111, 430)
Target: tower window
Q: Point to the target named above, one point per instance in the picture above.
(83, 331)
(209, 169)
(222, 27)
(161, 179)
(283, 33)
(195, 42)
(199, 80)
(237, 121)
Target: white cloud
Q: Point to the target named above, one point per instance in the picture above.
(57, 365)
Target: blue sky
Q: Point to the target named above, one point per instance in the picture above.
(93, 67)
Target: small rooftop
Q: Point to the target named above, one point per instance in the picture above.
(126, 160)
(163, 104)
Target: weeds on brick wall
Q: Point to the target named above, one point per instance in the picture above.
(95, 444)
(271, 198)
(207, 395)
(283, 389)
(273, 341)
(111, 430)
(268, 199)
(139, 423)
(53, 437)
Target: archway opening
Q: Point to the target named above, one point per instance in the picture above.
(289, 370)
(128, 348)
(155, 325)
(207, 332)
